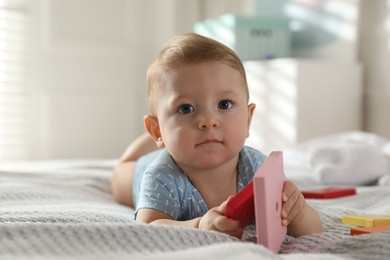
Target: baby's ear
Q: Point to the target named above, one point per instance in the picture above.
(153, 128)
(251, 109)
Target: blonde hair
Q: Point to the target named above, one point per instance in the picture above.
(187, 48)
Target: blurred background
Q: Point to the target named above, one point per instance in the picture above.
(72, 72)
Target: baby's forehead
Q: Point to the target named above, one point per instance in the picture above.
(176, 86)
(175, 73)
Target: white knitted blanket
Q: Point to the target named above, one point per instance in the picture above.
(66, 211)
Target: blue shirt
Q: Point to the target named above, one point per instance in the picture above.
(164, 187)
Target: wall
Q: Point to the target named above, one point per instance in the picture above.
(374, 52)
(87, 63)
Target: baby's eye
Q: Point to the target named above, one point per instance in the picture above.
(225, 104)
(186, 108)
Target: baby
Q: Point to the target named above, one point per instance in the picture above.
(194, 157)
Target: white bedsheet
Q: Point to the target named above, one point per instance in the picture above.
(62, 210)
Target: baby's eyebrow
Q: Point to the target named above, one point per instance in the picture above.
(179, 98)
(228, 92)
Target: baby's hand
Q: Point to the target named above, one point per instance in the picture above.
(294, 204)
(214, 219)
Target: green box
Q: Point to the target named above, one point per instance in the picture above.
(251, 37)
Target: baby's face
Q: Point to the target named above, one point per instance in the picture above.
(204, 115)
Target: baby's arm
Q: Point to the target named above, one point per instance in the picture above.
(122, 176)
(299, 217)
(212, 220)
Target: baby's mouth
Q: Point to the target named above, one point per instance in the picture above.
(209, 141)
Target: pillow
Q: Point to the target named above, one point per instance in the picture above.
(350, 163)
(384, 181)
(386, 149)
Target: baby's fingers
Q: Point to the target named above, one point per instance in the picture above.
(292, 202)
(228, 226)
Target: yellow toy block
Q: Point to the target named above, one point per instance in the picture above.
(366, 220)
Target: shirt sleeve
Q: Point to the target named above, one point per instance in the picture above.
(250, 161)
(158, 192)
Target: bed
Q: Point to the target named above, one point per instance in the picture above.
(64, 209)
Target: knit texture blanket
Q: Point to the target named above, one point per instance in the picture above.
(66, 211)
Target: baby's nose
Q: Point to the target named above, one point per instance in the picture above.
(208, 120)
